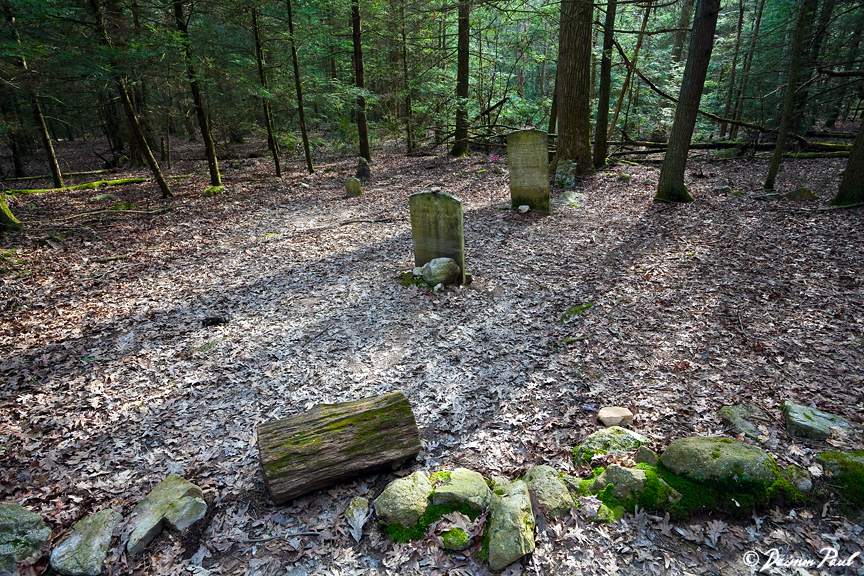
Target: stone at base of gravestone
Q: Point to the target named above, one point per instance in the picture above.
(440, 271)
(723, 189)
(737, 417)
(565, 174)
(22, 534)
(511, 524)
(353, 188)
(463, 487)
(550, 490)
(363, 172)
(528, 157)
(806, 422)
(801, 194)
(524, 209)
(615, 416)
(645, 455)
(404, 500)
(612, 440)
(702, 458)
(175, 501)
(437, 228)
(83, 552)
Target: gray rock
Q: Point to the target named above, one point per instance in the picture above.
(738, 418)
(806, 422)
(703, 458)
(175, 502)
(353, 188)
(565, 174)
(550, 490)
(615, 416)
(801, 194)
(626, 482)
(404, 500)
(612, 440)
(455, 539)
(83, 552)
(723, 189)
(839, 463)
(511, 524)
(799, 477)
(440, 271)
(645, 455)
(22, 533)
(524, 208)
(464, 487)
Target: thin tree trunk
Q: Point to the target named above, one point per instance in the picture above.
(209, 146)
(262, 77)
(852, 186)
(601, 147)
(728, 109)
(680, 37)
(745, 75)
(299, 88)
(799, 120)
(553, 110)
(356, 37)
(12, 118)
(573, 86)
(409, 129)
(807, 9)
(629, 72)
(460, 146)
(670, 187)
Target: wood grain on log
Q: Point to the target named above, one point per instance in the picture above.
(334, 442)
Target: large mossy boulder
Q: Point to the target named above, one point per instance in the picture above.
(807, 422)
(175, 502)
(612, 440)
(511, 524)
(847, 471)
(719, 459)
(83, 551)
(463, 486)
(550, 490)
(22, 534)
(404, 500)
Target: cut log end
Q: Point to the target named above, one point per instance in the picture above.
(334, 442)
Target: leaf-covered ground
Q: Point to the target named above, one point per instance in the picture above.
(109, 381)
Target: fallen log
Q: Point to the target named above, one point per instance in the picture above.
(334, 442)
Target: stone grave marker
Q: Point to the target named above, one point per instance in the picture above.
(528, 158)
(437, 228)
(353, 188)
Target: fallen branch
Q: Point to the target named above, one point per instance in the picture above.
(358, 220)
(111, 258)
(46, 176)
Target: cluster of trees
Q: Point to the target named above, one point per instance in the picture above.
(130, 75)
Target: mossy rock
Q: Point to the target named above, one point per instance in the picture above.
(404, 501)
(807, 422)
(550, 490)
(103, 198)
(847, 470)
(511, 524)
(123, 206)
(455, 539)
(624, 177)
(22, 533)
(213, 191)
(719, 459)
(801, 194)
(738, 418)
(612, 440)
(463, 486)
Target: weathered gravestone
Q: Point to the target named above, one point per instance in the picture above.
(437, 228)
(528, 158)
(353, 188)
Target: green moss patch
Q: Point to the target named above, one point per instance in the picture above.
(575, 311)
(408, 279)
(433, 513)
(123, 206)
(213, 191)
(848, 474)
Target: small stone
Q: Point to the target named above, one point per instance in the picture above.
(524, 208)
(455, 539)
(624, 177)
(440, 271)
(801, 194)
(738, 418)
(353, 188)
(175, 501)
(612, 440)
(417, 271)
(22, 534)
(83, 552)
(723, 190)
(615, 416)
(799, 478)
(806, 422)
(463, 487)
(405, 500)
(511, 524)
(645, 455)
(550, 490)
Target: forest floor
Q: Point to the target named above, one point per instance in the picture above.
(109, 381)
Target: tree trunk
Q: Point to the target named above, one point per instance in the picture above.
(356, 37)
(460, 146)
(680, 37)
(197, 101)
(553, 109)
(12, 118)
(629, 72)
(800, 121)
(272, 144)
(601, 147)
(409, 128)
(670, 187)
(574, 85)
(728, 110)
(299, 88)
(745, 75)
(852, 185)
(807, 8)
(335, 442)
(8, 222)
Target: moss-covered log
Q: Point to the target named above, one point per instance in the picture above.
(334, 442)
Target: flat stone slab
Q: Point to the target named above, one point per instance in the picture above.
(702, 458)
(175, 502)
(612, 440)
(806, 422)
(550, 490)
(511, 524)
(405, 500)
(83, 552)
(464, 487)
(22, 533)
(615, 416)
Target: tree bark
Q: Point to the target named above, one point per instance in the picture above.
(272, 144)
(335, 442)
(745, 75)
(409, 127)
(684, 20)
(806, 11)
(851, 189)
(197, 101)
(670, 187)
(629, 72)
(460, 146)
(356, 37)
(574, 85)
(601, 147)
(728, 110)
(8, 222)
(299, 88)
